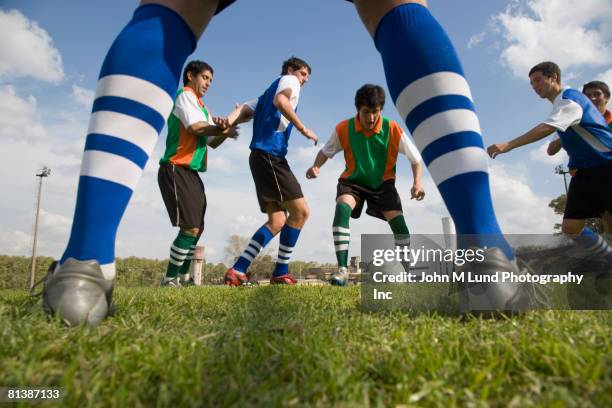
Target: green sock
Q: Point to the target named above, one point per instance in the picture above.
(178, 253)
(401, 234)
(342, 233)
(185, 268)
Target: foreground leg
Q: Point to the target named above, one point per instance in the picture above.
(133, 98)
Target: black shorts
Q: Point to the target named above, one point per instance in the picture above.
(383, 198)
(274, 181)
(183, 193)
(589, 193)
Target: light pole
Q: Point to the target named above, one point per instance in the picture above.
(561, 170)
(45, 172)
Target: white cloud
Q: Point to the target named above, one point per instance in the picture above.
(476, 39)
(520, 210)
(570, 32)
(15, 242)
(19, 118)
(27, 50)
(539, 155)
(82, 96)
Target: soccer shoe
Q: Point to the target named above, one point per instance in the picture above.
(170, 282)
(486, 297)
(340, 277)
(251, 280)
(285, 279)
(187, 282)
(235, 278)
(78, 292)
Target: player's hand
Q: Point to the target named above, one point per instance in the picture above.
(221, 123)
(310, 135)
(313, 172)
(496, 149)
(231, 132)
(417, 192)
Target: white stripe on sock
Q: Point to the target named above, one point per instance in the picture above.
(251, 251)
(282, 261)
(285, 248)
(108, 166)
(108, 270)
(430, 86)
(443, 124)
(247, 255)
(177, 263)
(341, 230)
(255, 244)
(179, 250)
(124, 127)
(466, 160)
(341, 247)
(136, 89)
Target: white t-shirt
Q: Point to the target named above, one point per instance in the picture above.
(565, 113)
(188, 111)
(406, 147)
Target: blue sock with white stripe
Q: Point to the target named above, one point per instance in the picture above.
(595, 244)
(259, 240)
(288, 238)
(427, 84)
(134, 96)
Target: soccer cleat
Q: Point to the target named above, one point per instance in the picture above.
(235, 278)
(78, 293)
(168, 282)
(285, 279)
(340, 277)
(486, 297)
(251, 280)
(187, 282)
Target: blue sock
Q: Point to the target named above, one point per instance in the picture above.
(260, 239)
(595, 244)
(288, 238)
(134, 96)
(427, 84)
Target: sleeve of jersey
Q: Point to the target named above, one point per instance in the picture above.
(565, 114)
(408, 149)
(252, 104)
(187, 110)
(332, 146)
(289, 82)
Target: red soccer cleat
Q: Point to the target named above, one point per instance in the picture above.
(286, 279)
(235, 278)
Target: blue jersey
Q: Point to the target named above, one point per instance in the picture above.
(270, 129)
(582, 128)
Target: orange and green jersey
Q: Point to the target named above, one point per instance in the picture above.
(370, 156)
(183, 148)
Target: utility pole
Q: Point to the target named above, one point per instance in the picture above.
(561, 170)
(45, 172)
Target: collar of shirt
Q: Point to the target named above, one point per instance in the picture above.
(188, 89)
(366, 132)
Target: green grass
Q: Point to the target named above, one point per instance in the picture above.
(296, 346)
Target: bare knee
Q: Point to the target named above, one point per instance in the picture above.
(194, 232)
(276, 221)
(572, 227)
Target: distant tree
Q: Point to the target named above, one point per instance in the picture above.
(558, 206)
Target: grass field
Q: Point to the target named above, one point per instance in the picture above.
(296, 346)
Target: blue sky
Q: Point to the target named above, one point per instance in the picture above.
(51, 51)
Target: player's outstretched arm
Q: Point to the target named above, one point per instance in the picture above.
(533, 135)
(315, 169)
(241, 113)
(554, 147)
(417, 191)
(282, 103)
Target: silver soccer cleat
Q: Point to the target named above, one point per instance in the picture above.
(170, 282)
(339, 277)
(78, 292)
(512, 297)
